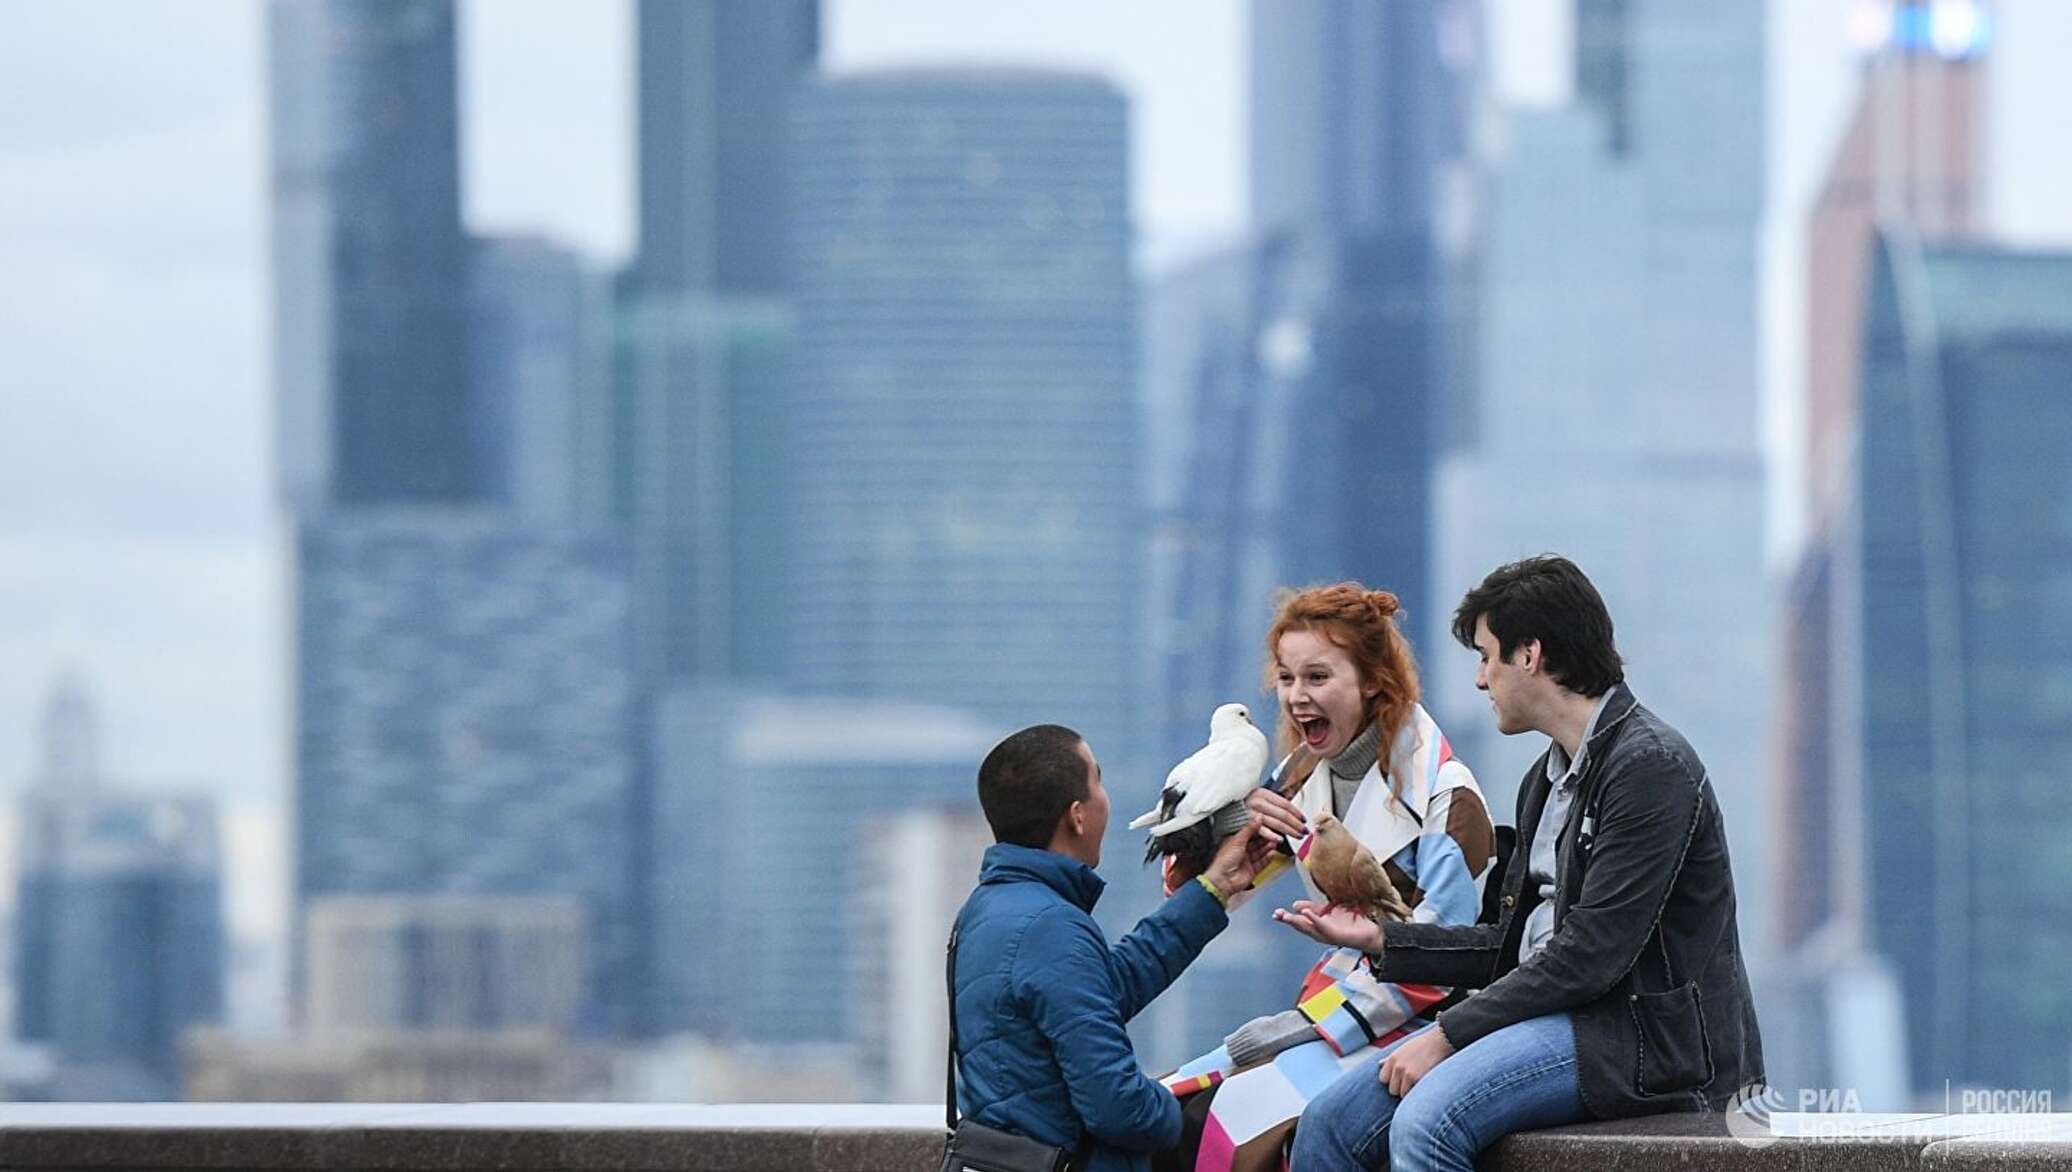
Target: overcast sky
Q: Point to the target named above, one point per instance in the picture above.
(138, 535)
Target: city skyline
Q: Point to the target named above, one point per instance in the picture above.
(154, 565)
(435, 470)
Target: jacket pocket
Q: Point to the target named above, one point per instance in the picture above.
(1673, 1054)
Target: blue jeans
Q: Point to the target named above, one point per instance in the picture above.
(1522, 1076)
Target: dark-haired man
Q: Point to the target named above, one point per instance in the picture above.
(1042, 998)
(1612, 983)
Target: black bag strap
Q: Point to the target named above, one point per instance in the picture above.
(950, 982)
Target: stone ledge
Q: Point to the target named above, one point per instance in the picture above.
(636, 1137)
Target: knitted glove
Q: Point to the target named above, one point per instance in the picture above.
(1263, 1037)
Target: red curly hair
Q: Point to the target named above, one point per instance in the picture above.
(1363, 622)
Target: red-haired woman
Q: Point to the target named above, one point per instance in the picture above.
(1360, 747)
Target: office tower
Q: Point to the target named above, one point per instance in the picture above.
(700, 481)
(1309, 364)
(1955, 604)
(701, 334)
(961, 437)
(1299, 380)
(444, 962)
(466, 720)
(369, 263)
(1908, 156)
(118, 928)
(538, 358)
(1615, 413)
(757, 836)
(716, 80)
(914, 869)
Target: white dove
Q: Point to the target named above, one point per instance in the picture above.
(1216, 776)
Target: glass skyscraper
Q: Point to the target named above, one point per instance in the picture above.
(961, 433)
(701, 335)
(716, 80)
(369, 262)
(1959, 613)
(1297, 380)
(1614, 417)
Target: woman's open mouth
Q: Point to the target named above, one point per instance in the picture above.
(1316, 731)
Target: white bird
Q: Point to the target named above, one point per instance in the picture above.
(1216, 776)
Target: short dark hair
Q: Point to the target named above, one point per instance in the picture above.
(1549, 599)
(1028, 782)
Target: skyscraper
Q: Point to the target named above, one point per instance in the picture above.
(1908, 158)
(961, 437)
(1614, 416)
(1306, 370)
(369, 263)
(1957, 604)
(1909, 155)
(1313, 367)
(465, 716)
(118, 934)
(716, 81)
(701, 334)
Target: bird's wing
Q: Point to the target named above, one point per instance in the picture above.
(1165, 802)
(1219, 773)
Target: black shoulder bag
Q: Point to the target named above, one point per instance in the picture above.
(972, 1145)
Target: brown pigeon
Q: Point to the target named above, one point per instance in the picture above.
(1348, 875)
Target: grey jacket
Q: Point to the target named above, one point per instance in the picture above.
(1645, 953)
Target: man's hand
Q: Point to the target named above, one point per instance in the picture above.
(1330, 924)
(1414, 1059)
(1238, 860)
(1280, 815)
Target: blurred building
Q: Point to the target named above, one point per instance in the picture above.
(118, 938)
(538, 357)
(466, 723)
(760, 804)
(914, 870)
(1957, 603)
(443, 962)
(1307, 366)
(700, 479)
(701, 335)
(369, 262)
(1615, 415)
(1908, 158)
(436, 1066)
(715, 87)
(1297, 382)
(961, 434)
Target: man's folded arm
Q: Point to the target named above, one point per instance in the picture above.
(1063, 971)
(1647, 823)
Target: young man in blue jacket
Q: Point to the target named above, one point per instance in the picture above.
(1042, 998)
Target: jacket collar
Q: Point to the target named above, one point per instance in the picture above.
(1077, 882)
(1618, 705)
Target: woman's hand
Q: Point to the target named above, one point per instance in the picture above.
(1279, 815)
(1330, 924)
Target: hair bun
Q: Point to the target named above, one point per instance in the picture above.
(1384, 603)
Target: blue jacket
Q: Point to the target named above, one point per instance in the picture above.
(1042, 1000)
